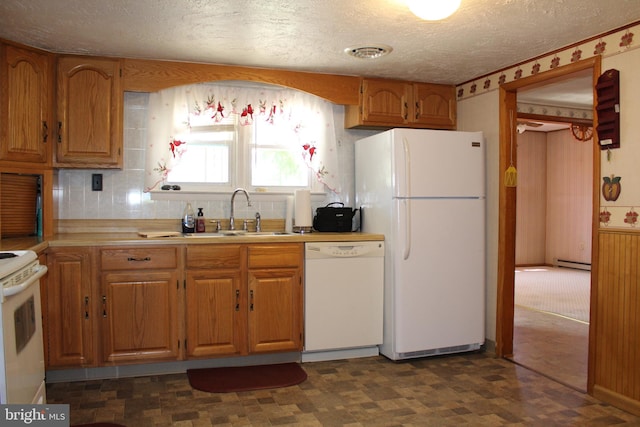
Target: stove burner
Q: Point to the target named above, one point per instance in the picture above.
(5, 255)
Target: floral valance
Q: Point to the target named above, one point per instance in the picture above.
(173, 111)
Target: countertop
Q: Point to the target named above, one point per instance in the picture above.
(39, 244)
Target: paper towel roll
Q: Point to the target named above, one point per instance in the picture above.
(303, 208)
(288, 220)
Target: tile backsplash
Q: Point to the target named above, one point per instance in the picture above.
(122, 195)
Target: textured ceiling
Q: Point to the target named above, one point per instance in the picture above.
(311, 35)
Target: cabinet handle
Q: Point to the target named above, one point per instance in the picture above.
(104, 306)
(59, 132)
(417, 110)
(251, 300)
(45, 131)
(139, 259)
(86, 308)
(406, 110)
(237, 300)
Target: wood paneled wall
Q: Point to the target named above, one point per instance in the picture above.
(615, 319)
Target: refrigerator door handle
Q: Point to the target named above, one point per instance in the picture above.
(407, 228)
(407, 168)
(407, 202)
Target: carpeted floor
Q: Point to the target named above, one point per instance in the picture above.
(561, 291)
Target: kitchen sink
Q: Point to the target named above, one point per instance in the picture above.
(202, 235)
(231, 233)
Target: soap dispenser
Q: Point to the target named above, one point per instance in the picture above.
(188, 220)
(200, 224)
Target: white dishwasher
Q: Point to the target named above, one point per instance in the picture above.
(343, 303)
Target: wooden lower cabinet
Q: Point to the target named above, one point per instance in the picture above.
(139, 304)
(215, 323)
(139, 316)
(275, 298)
(117, 305)
(274, 310)
(243, 299)
(71, 314)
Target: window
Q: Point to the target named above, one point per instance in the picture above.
(218, 140)
(208, 157)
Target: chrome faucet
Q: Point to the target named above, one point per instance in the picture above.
(232, 224)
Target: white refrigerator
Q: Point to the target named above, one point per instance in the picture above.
(425, 191)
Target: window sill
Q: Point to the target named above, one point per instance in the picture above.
(191, 195)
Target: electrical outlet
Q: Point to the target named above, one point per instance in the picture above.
(96, 182)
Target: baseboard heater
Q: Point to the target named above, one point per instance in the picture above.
(572, 264)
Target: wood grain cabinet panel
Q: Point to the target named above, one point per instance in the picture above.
(216, 323)
(139, 316)
(26, 99)
(434, 105)
(386, 104)
(71, 312)
(215, 300)
(90, 110)
(140, 304)
(275, 297)
(243, 299)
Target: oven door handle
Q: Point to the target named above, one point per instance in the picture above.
(12, 290)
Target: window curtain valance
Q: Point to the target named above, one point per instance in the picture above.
(174, 110)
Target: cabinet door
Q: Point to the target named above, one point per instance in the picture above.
(434, 105)
(385, 102)
(215, 308)
(25, 106)
(275, 310)
(139, 316)
(70, 308)
(90, 110)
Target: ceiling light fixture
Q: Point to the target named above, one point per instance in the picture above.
(369, 52)
(433, 10)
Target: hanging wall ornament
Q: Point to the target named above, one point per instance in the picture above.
(611, 188)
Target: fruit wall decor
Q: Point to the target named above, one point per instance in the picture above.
(611, 188)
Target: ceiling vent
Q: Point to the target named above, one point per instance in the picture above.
(369, 52)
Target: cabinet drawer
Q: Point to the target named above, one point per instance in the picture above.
(276, 255)
(214, 256)
(139, 258)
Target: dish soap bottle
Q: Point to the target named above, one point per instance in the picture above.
(200, 225)
(188, 220)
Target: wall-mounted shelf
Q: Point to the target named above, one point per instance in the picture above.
(608, 109)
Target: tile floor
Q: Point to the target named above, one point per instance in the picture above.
(473, 389)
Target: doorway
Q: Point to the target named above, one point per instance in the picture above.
(507, 204)
(553, 248)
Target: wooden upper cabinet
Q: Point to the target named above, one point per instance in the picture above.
(26, 99)
(392, 103)
(434, 105)
(386, 102)
(90, 110)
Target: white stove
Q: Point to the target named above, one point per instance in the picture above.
(15, 268)
(21, 350)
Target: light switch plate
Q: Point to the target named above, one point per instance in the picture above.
(96, 182)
